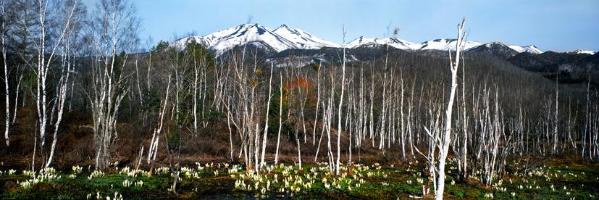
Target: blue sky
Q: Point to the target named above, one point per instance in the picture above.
(550, 24)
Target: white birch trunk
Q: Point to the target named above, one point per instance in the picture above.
(446, 140)
(265, 134)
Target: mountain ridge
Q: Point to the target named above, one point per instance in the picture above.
(286, 37)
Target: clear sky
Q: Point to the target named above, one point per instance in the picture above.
(561, 25)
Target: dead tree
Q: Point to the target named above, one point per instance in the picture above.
(444, 140)
(280, 116)
(265, 133)
(153, 149)
(339, 114)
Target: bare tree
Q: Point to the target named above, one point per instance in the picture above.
(280, 116)
(153, 149)
(339, 114)
(4, 21)
(45, 107)
(444, 140)
(116, 29)
(265, 134)
(314, 125)
(73, 14)
(556, 114)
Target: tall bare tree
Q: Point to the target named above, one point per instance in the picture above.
(444, 140)
(49, 24)
(3, 32)
(339, 114)
(116, 27)
(72, 14)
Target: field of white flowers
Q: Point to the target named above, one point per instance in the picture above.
(223, 180)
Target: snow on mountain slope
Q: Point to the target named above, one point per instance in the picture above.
(227, 39)
(302, 39)
(446, 44)
(530, 49)
(374, 42)
(246, 33)
(437, 44)
(279, 39)
(285, 37)
(181, 43)
(580, 51)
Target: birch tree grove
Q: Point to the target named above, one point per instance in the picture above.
(117, 26)
(50, 108)
(73, 14)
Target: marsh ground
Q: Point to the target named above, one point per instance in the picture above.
(524, 179)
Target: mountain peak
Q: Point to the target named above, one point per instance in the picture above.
(286, 37)
(375, 42)
(282, 38)
(227, 39)
(302, 39)
(529, 49)
(283, 26)
(447, 44)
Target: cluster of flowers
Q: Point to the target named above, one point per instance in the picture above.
(275, 178)
(77, 169)
(204, 170)
(127, 183)
(9, 172)
(44, 175)
(499, 186)
(133, 173)
(95, 174)
(288, 179)
(115, 196)
(163, 171)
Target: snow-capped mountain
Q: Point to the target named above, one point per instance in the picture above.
(302, 39)
(279, 39)
(447, 44)
(437, 44)
(180, 43)
(530, 49)
(285, 37)
(495, 48)
(244, 34)
(580, 51)
(376, 42)
(227, 39)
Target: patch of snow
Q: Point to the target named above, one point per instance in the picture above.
(227, 39)
(182, 43)
(246, 33)
(285, 37)
(580, 51)
(530, 49)
(447, 44)
(375, 42)
(302, 39)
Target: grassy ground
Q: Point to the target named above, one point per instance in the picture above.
(549, 180)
